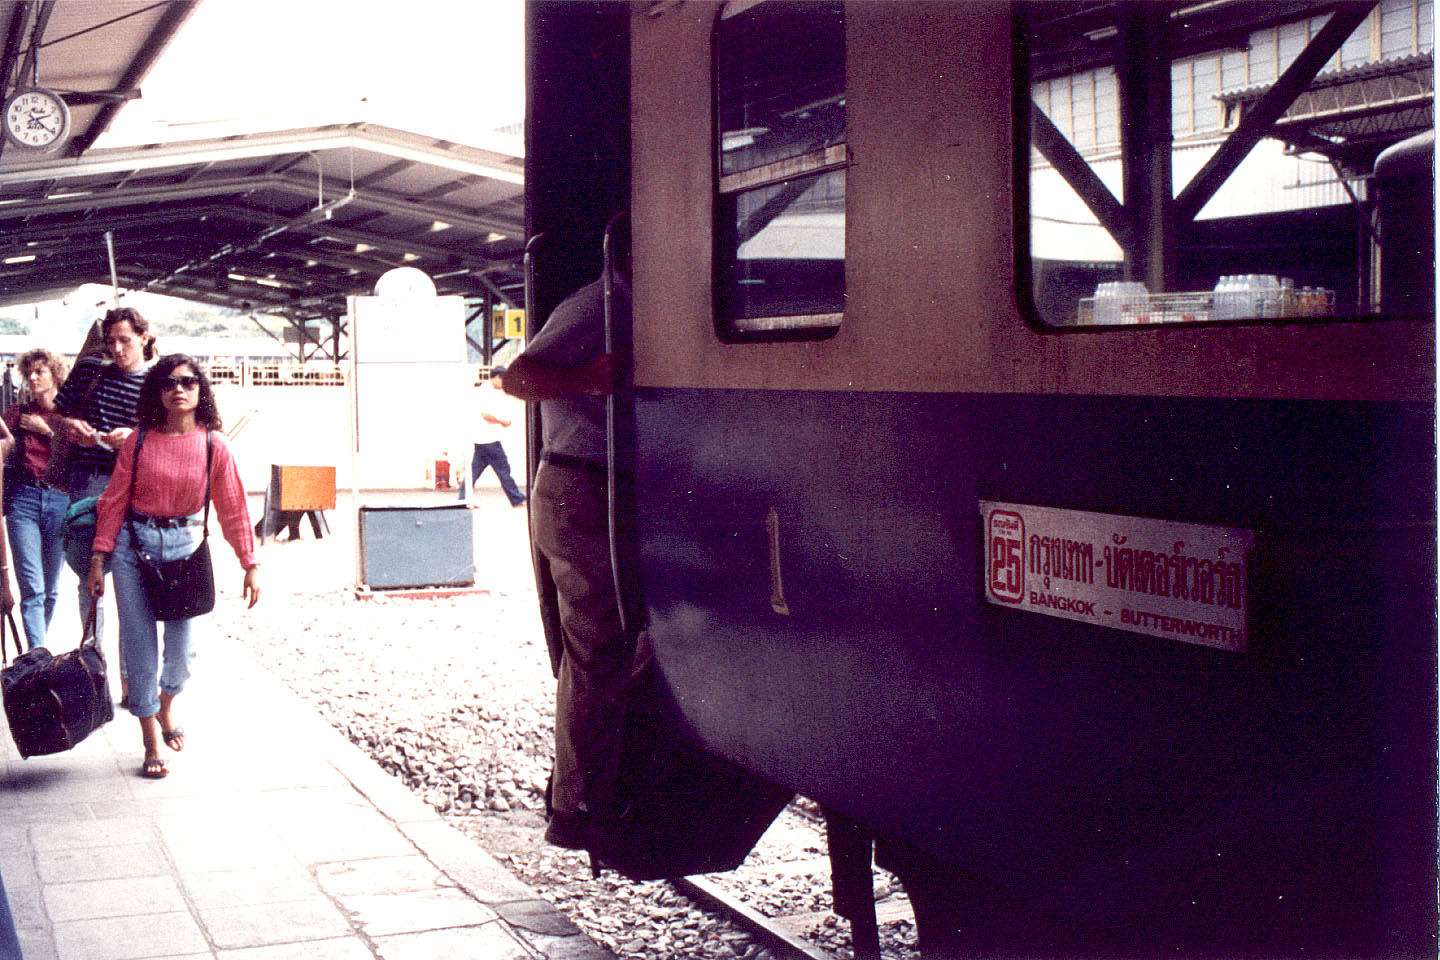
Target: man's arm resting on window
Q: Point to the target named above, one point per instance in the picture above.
(531, 380)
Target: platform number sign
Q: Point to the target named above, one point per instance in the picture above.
(1005, 532)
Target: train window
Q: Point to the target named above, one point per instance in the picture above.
(780, 168)
(1217, 162)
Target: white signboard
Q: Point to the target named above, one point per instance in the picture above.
(1181, 581)
(410, 389)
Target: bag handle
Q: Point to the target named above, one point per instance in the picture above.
(90, 637)
(10, 619)
(135, 468)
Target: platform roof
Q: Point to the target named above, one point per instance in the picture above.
(288, 223)
(285, 223)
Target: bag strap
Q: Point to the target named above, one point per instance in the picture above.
(82, 409)
(89, 637)
(135, 468)
(10, 619)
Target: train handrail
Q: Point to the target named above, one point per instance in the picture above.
(528, 267)
(544, 584)
(607, 253)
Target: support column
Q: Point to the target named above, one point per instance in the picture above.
(1143, 78)
(487, 338)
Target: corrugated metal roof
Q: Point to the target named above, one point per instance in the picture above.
(286, 223)
(1328, 78)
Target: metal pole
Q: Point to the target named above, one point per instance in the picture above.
(608, 254)
(114, 276)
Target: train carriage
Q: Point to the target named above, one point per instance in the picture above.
(991, 494)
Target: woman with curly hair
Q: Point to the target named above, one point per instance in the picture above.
(33, 511)
(161, 513)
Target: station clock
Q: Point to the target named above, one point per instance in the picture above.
(36, 119)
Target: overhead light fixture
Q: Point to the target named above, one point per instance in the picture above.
(67, 194)
(362, 247)
(411, 256)
(439, 225)
(238, 276)
(267, 282)
(23, 258)
(1104, 33)
(493, 237)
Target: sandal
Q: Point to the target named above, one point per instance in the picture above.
(154, 769)
(171, 736)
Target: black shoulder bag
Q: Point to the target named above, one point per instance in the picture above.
(184, 588)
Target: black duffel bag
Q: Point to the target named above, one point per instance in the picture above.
(52, 703)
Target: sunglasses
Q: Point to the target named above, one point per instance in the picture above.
(183, 383)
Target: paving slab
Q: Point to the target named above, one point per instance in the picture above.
(272, 838)
(122, 897)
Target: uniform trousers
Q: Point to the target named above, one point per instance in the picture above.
(568, 509)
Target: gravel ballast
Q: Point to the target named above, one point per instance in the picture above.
(454, 696)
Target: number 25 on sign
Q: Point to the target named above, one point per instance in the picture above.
(1005, 532)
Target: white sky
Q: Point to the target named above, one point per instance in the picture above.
(449, 68)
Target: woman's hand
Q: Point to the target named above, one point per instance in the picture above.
(7, 596)
(79, 432)
(252, 586)
(95, 580)
(35, 424)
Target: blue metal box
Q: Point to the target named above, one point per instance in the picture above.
(416, 547)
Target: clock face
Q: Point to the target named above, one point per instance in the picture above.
(36, 119)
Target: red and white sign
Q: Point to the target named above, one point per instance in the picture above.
(1181, 581)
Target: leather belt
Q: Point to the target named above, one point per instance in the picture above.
(565, 460)
(164, 523)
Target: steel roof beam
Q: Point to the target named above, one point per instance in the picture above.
(170, 22)
(357, 136)
(14, 35)
(11, 207)
(1258, 121)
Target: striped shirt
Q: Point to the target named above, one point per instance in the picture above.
(171, 483)
(111, 405)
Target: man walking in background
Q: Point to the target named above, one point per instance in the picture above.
(486, 428)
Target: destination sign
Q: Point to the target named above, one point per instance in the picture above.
(1180, 581)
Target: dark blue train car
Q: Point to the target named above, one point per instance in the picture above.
(1019, 464)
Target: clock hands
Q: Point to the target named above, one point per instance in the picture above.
(37, 116)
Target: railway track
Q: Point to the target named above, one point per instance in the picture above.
(782, 897)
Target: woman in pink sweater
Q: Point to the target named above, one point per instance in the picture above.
(178, 423)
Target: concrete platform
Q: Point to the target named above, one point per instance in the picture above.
(272, 838)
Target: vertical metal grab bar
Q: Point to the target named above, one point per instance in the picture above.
(544, 586)
(607, 250)
(531, 246)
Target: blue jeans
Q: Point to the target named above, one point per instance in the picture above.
(34, 525)
(139, 630)
(493, 455)
(77, 552)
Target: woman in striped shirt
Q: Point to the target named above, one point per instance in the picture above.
(178, 419)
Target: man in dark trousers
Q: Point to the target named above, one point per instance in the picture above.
(565, 367)
(486, 429)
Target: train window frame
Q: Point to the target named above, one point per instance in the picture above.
(1357, 294)
(821, 165)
